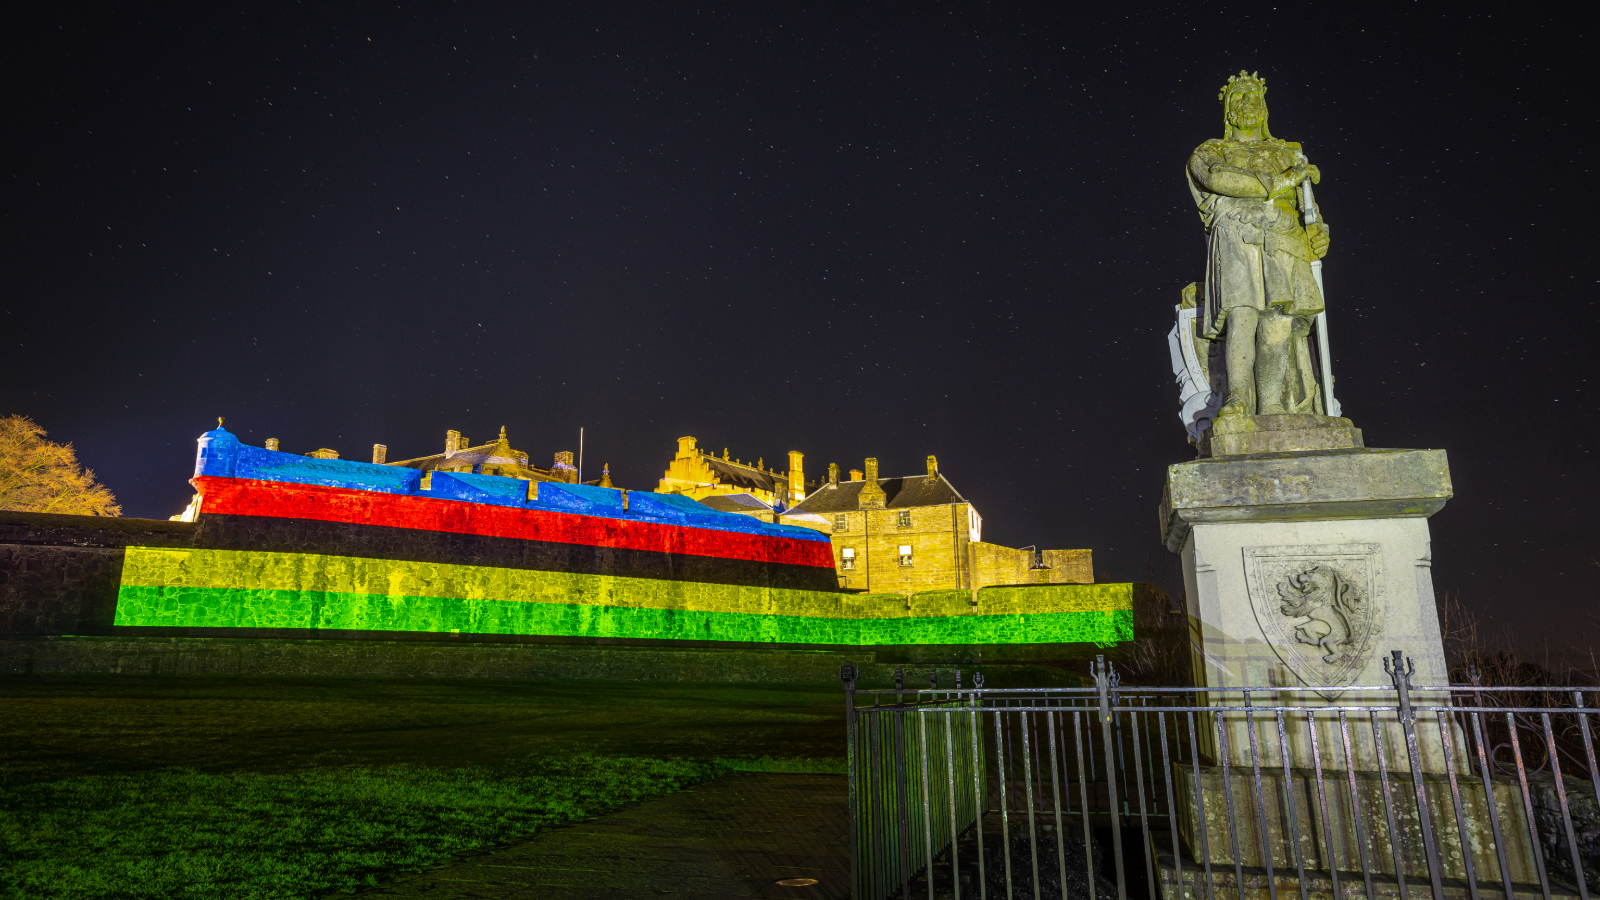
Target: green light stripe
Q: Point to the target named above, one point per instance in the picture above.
(308, 572)
(251, 589)
(314, 573)
(208, 607)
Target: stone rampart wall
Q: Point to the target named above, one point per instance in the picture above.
(180, 656)
(56, 590)
(60, 574)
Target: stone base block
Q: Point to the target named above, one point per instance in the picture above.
(1236, 435)
(1244, 581)
(1297, 487)
(1305, 571)
(1225, 885)
(1275, 831)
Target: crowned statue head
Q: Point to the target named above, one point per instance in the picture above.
(1244, 107)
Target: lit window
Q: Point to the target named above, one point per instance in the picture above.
(847, 558)
(905, 554)
(904, 520)
(839, 523)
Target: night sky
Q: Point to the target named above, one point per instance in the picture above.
(864, 230)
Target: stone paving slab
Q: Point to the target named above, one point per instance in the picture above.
(734, 837)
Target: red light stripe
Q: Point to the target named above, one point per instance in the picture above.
(284, 500)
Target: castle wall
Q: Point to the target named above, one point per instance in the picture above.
(59, 574)
(213, 657)
(277, 593)
(993, 564)
(343, 553)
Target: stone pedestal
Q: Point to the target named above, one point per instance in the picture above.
(1305, 568)
(1336, 840)
(1235, 435)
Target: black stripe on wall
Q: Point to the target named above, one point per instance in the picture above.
(265, 533)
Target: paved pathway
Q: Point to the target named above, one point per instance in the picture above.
(736, 836)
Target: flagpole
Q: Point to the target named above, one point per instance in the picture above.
(580, 454)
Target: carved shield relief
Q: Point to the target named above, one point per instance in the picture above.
(1319, 606)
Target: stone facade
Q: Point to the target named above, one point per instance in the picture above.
(494, 458)
(994, 564)
(917, 533)
(698, 474)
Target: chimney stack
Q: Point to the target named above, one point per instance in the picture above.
(686, 447)
(797, 477)
(380, 454)
(563, 468)
(872, 494)
(855, 474)
(452, 442)
(272, 443)
(933, 468)
(833, 474)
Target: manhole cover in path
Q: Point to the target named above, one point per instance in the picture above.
(797, 882)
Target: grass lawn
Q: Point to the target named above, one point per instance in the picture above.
(132, 787)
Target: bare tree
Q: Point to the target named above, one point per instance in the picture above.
(1159, 652)
(39, 476)
(1504, 661)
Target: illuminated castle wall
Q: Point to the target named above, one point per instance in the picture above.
(289, 544)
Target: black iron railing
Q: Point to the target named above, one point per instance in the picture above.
(1373, 791)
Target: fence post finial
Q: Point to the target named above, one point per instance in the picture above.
(1107, 680)
(1106, 677)
(1398, 670)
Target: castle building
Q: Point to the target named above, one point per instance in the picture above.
(698, 474)
(917, 533)
(494, 458)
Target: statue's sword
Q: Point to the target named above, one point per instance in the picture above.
(1308, 206)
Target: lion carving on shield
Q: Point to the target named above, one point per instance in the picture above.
(1328, 606)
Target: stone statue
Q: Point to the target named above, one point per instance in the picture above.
(1259, 294)
(1306, 556)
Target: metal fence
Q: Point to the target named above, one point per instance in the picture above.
(1376, 791)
